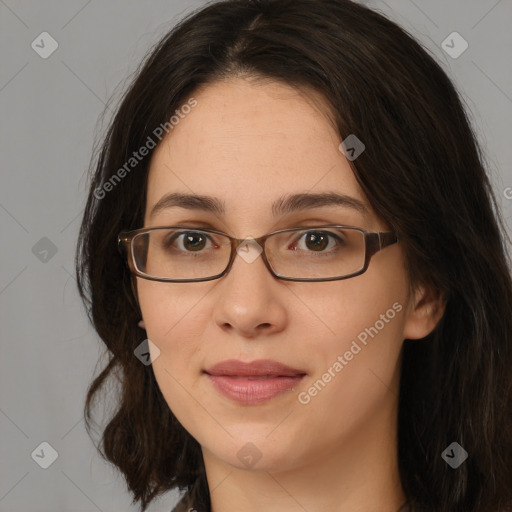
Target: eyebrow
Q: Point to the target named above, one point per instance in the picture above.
(282, 206)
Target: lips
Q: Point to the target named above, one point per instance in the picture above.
(260, 368)
(255, 382)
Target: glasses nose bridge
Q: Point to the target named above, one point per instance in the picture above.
(237, 242)
(261, 241)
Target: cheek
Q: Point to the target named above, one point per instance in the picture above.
(356, 365)
(362, 331)
(174, 315)
(174, 324)
(167, 308)
(359, 324)
(354, 309)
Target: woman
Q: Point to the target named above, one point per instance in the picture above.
(293, 255)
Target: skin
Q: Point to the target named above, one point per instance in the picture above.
(249, 143)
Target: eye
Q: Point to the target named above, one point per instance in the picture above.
(318, 241)
(187, 241)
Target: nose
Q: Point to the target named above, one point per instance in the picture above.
(249, 297)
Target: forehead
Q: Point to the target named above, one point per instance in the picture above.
(250, 144)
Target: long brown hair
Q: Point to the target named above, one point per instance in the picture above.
(423, 173)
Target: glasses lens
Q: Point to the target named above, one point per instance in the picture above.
(317, 252)
(168, 253)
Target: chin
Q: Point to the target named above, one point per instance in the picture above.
(253, 453)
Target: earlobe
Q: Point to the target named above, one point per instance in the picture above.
(142, 325)
(425, 311)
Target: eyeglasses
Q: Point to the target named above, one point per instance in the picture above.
(184, 254)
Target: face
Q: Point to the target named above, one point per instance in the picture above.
(249, 145)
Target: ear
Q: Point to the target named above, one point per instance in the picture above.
(141, 324)
(426, 309)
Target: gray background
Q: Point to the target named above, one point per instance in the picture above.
(50, 110)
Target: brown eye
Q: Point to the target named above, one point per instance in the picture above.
(187, 241)
(194, 241)
(317, 241)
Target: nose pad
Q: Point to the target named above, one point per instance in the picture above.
(249, 250)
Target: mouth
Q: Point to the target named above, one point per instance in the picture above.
(255, 382)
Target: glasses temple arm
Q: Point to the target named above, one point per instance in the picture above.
(387, 238)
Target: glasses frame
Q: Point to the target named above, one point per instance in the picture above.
(374, 242)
